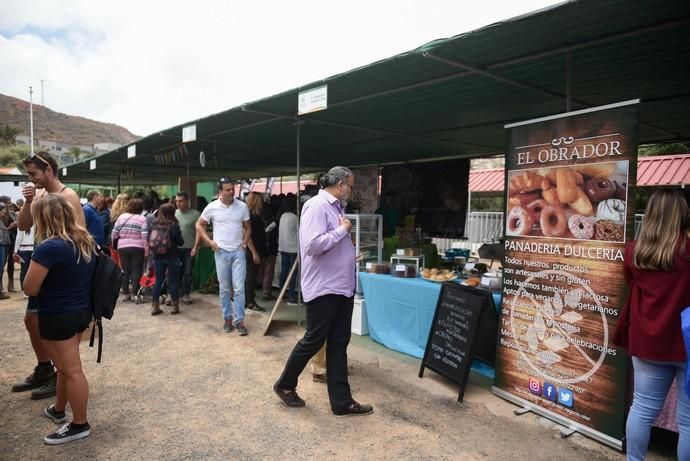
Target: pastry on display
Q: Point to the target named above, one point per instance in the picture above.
(472, 282)
(553, 221)
(519, 221)
(438, 275)
(600, 189)
(608, 231)
(612, 210)
(581, 227)
(568, 202)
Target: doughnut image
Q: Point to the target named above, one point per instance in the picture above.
(535, 208)
(581, 227)
(553, 221)
(612, 210)
(523, 199)
(609, 231)
(519, 221)
(599, 189)
(567, 201)
(551, 196)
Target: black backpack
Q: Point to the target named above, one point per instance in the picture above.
(159, 239)
(105, 288)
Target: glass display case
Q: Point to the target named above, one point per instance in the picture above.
(367, 237)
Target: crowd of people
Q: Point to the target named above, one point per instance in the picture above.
(54, 239)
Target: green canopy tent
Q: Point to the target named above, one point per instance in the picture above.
(447, 99)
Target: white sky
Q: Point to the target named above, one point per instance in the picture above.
(148, 65)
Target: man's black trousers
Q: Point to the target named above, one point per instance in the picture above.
(329, 318)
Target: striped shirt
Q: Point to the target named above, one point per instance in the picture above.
(132, 230)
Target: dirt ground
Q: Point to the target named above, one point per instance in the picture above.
(179, 388)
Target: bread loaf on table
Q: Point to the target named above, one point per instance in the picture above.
(379, 268)
(404, 270)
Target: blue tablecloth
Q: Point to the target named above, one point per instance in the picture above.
(400, 312)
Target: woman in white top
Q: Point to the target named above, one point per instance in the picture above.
(23, 248)
(288, 243)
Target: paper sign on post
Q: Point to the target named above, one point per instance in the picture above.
(312, 100)
(189, 133)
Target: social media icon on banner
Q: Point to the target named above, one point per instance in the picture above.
(550, 391)
(565, 397)
(534, 386)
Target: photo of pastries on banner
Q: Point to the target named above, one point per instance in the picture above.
(583, 202)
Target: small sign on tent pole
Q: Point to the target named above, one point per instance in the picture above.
(312, 100)
(189, 133)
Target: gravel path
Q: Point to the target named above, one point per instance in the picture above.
(178, 388)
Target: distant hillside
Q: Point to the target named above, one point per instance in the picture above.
(54, 126)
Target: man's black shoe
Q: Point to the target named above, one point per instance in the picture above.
(355, 409)
(255, 307)
(288, 397)
(36, 379)
(45, 391)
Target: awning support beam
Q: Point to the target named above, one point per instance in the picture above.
(526, 86)
(361, 128)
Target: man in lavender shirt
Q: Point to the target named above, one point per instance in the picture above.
(328, 287)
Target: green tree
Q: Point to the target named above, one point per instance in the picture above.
(75, 153)
(13, 156)
(649, 150)
(8, 135)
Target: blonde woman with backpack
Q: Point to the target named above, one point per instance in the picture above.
(59, 275)
(165, 238)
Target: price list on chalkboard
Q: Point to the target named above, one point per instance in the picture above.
(452, 336)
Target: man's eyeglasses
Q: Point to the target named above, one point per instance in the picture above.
(34, 155)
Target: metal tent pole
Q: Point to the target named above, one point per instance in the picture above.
(299, 256)
(189, 183)
(31, 118)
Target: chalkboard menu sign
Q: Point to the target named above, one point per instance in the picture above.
(451, 343)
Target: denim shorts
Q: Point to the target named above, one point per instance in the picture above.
(60, 326)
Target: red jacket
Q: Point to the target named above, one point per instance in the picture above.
(651, 319)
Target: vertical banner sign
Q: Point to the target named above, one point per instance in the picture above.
(568, 214)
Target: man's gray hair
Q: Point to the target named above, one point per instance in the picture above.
(335, 176)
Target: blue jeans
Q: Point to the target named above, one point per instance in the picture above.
(173, 267)
(286, 262)
(652, 382)
(231, 268)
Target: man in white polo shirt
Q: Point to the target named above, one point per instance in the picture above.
(231, 237)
